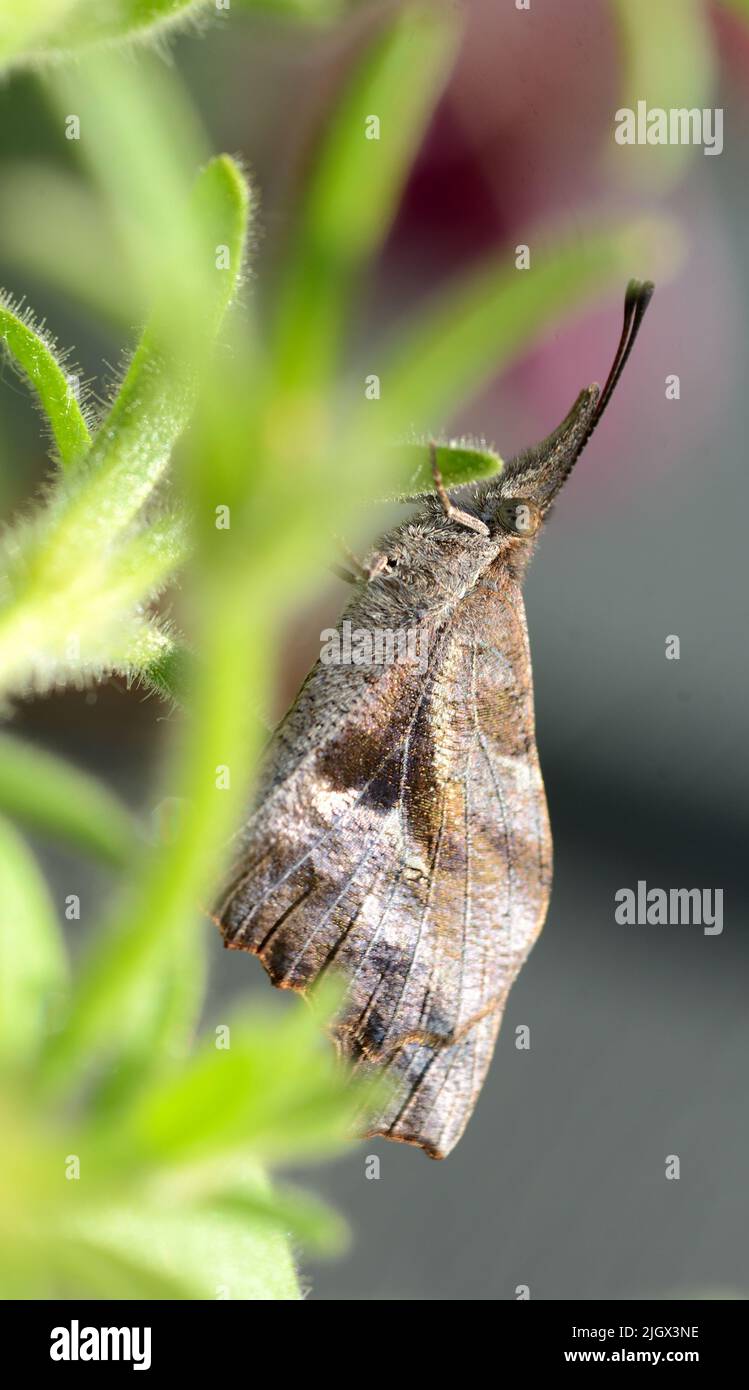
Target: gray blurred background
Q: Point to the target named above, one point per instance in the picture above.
(639, 1034)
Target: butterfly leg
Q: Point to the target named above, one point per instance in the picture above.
(449, 508)
(360, 571)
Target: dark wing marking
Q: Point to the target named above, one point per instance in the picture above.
(411, 853)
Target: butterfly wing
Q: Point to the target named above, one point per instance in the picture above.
(406, 845)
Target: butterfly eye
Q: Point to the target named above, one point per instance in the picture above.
(520, 517)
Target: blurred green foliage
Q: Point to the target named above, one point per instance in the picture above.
(33, 31)
(680, 28)
(135, 1162)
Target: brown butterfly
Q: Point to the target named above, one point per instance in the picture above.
(401, 836)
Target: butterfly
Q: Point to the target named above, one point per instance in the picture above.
(400, 835)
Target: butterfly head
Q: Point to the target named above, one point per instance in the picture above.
(519, 501)
(437, 555)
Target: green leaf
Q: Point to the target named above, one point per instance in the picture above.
(133, 446)
(87, 1268)
(679, 74)
(474, 328)
(170, 1001)
(32, 30)
(238, 1186)
(211, 1254)
(64, 573)
(141, 565)
(94, 269)
(313, 11)
(669, 60)
(51, 796)
(70, 616)
(311, 1222)
(35, 355)
(169, 675)
(33, 968)
(160, 913)
(140, 143)
(276, 1090)
(459, 462)
(356, 184)
(23, 23)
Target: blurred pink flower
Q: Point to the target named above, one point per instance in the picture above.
(515, 148)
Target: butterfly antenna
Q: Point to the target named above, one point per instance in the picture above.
(636, 299)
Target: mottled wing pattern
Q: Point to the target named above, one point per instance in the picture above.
(411, 853)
